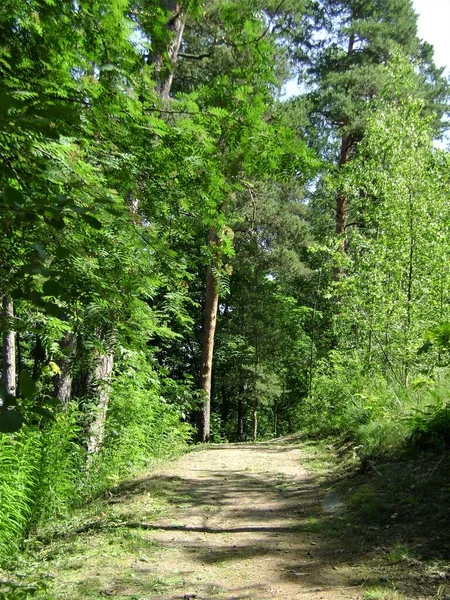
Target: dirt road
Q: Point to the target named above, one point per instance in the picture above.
(228, 522)
(249, 522)
(243, 523)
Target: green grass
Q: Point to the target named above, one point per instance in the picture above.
(99, 550)
(395, 518)
(380, 593)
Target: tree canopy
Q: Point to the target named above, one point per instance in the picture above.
(187, 255)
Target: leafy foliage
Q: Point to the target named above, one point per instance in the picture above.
(109, 192)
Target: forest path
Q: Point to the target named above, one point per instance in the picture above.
(236, 522)
(247, 528)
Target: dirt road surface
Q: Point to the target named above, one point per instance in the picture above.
(244, 523)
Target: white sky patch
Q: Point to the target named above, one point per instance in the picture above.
(434, 27)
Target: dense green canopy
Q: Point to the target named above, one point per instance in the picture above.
(172, 268)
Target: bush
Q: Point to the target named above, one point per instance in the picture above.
(429, 423)
(383, 417)
(141, 427)
(45, 470)
(62, 466)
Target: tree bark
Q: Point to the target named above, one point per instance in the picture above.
(164, 68)
(341, 203)
(209, 329)
(255, 419)
(275, 419)
(341, 197)
(39, 357)
(9, 349)
(341, 200)
(103, 373)
(63, 380)
(240, 415)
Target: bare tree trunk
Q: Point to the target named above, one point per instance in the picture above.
(410, 276)
(209, 329)
(103, 373)
(255, 419)
(63, 380)
(240, 415)
(275, 419)
(177, 26)
(9, 349)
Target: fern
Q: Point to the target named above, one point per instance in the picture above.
(20, 457)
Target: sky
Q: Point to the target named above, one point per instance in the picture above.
(434, 27)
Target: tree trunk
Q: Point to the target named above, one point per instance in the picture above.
(409, 296)
(177, 27)
(255, 419)
(164, 67)
(63, 380)
(103, 373)
(39, 357)
(341, 197)
(240, 415)
(341, 203)
(9, 349)
(209, 329)
(275, 419)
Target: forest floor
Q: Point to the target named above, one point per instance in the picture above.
(277, 520)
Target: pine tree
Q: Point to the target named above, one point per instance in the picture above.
(341, 52)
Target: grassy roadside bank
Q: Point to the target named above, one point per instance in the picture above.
(68, 550)
(392, 517)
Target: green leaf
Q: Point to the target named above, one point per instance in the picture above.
(44, 412)
(36, 298)
(62, 252)
(57, 222)
(13, 196)
(52, 288)
(54, 310)
(92, 221)
(27, 384)
(35, 270)
(10, 421)
(9, 400)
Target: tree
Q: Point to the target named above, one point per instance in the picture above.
(341, 51)
(395, 277)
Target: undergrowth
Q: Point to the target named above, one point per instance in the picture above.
(383, 417)
(45, 470)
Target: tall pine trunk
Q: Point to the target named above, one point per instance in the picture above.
(9, 348)
(341, 204)
(341, 197)
(209, 330)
